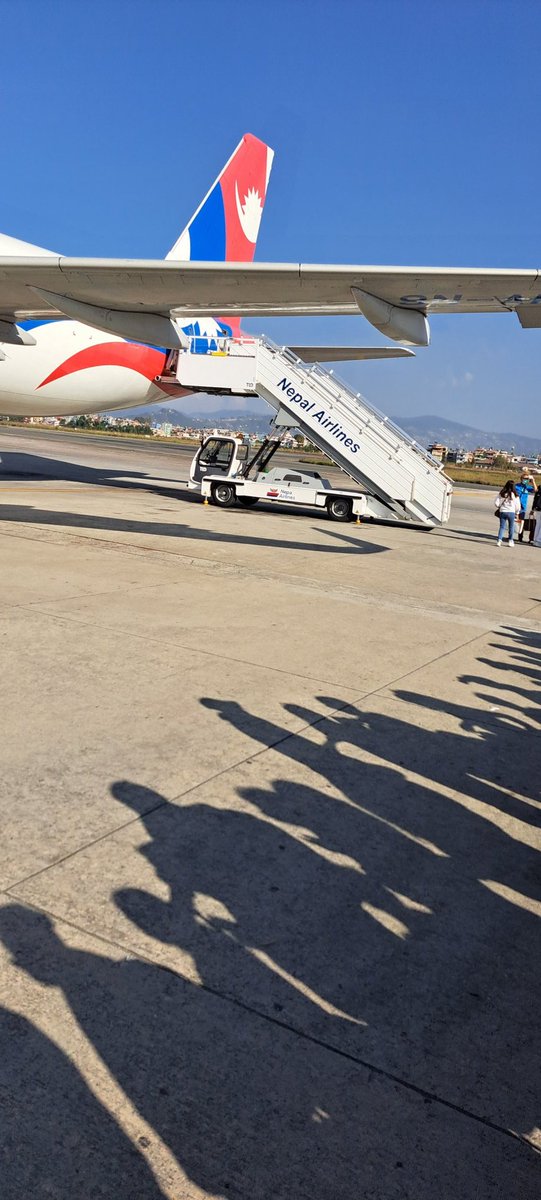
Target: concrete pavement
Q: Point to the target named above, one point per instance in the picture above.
(269, 876)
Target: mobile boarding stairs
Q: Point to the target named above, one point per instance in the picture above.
(402, 481)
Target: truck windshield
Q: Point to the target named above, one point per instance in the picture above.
(217, 452)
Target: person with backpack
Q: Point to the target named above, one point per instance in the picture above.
(507, 509)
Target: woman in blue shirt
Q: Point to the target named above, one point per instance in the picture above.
(524, 490)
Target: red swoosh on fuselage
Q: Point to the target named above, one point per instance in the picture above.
(143, 359)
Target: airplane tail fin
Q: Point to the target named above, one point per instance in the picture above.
(225, 226)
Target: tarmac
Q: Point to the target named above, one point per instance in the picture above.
(270, 809)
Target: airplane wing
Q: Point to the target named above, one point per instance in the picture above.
(326, 354)
(396, 300)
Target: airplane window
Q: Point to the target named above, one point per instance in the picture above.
(292, 479)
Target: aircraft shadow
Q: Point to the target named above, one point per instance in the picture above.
(28, 515)
(19, 466)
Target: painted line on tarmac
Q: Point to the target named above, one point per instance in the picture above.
(83, 487)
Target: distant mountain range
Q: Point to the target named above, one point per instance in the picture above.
(425, 430)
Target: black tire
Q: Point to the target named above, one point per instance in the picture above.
(223, 495)
(247, 501)
(339, 508)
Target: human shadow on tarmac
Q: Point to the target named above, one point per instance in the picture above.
(28, 515)
(522, 665)
(469, 535)
(357, 935)
(57, 1139)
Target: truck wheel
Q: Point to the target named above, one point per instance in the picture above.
(247, 501)
(338, 508)
(223, 494)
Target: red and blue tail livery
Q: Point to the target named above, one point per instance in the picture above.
(226, 224)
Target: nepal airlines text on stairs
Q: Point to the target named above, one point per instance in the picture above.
(403, 481)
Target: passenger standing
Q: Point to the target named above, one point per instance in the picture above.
(525, 489)
(507, 508)
(535, 533)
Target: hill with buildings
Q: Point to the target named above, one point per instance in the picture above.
(427, 430)
(232, 419)
(432, 429)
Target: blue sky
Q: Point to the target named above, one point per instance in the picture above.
(405, 132)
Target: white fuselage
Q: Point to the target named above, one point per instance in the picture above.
(74, 369)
